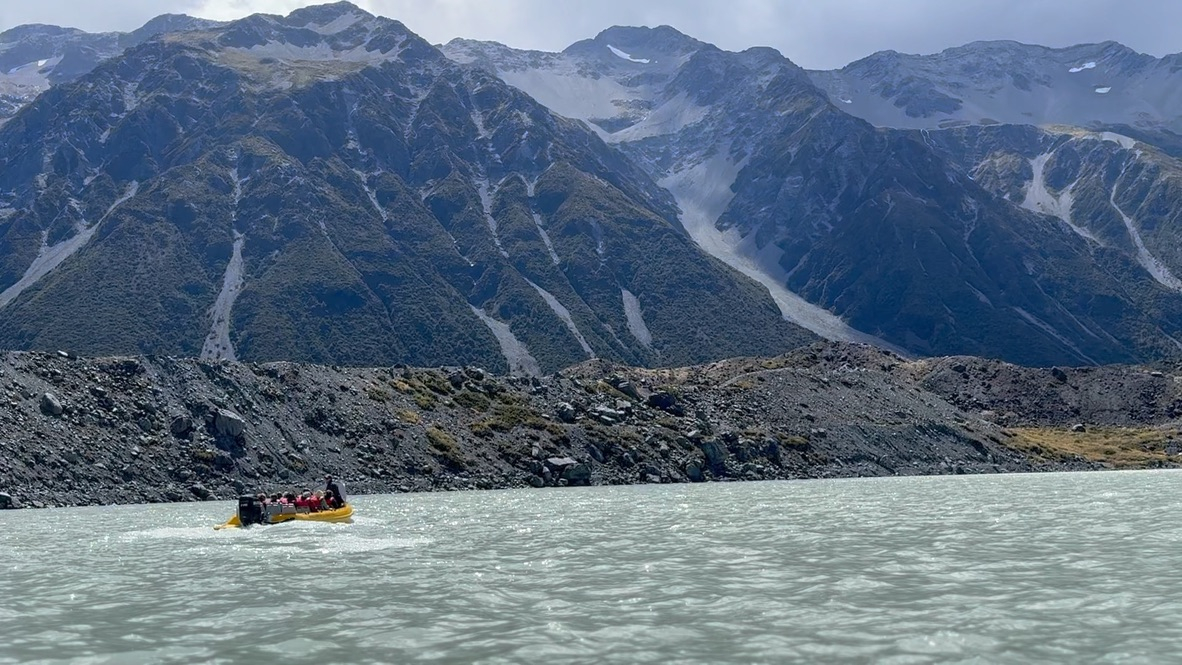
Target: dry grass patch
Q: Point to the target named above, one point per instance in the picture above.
(1123, 448)
(444, 445)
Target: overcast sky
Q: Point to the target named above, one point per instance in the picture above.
(813, 33)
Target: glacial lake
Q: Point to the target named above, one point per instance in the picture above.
(1066, 568)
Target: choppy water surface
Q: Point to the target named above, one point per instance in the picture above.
(1069, 568)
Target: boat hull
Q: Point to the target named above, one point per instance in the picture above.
(342, 514)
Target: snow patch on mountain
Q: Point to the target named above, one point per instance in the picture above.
(321, 52)
(1086, 65)
(29, 80)
(626, 56)
(1126, 142)
(635, 317)
(703, 192)
(564, 314)
(339, 24)
(571, 94)
(521, 362)
(1104, 91)
(50, 257)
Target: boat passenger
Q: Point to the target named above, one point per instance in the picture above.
(330, 500)
(318, 502)
(335, 487)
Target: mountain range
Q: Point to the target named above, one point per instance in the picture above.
(329, 187)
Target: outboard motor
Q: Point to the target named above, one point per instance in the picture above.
(250, 511)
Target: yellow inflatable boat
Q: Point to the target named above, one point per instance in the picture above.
(250, 512)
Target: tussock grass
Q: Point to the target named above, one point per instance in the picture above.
(1123, 448)
(444, 446)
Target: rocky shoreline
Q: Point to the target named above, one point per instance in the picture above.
(79, 431)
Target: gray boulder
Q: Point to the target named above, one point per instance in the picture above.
(624, 386)
(693, 471)
(228, 423)
(199, 491)
(51, 405)
(607, 415)
(665, 401)
(560, 463)
(7, 502)
(578, 474)
(566, 412)
(222, 461)
(715, 454)
(180, 426)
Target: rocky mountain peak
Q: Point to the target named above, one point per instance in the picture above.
(988, 82)
(312, 44)
(166, 23)
(337, 15)
(32, 30)
(639, 45)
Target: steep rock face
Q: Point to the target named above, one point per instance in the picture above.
(327, 186)
(1008, 82)
(1118, 194)
(834, 216)
(689, 113)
